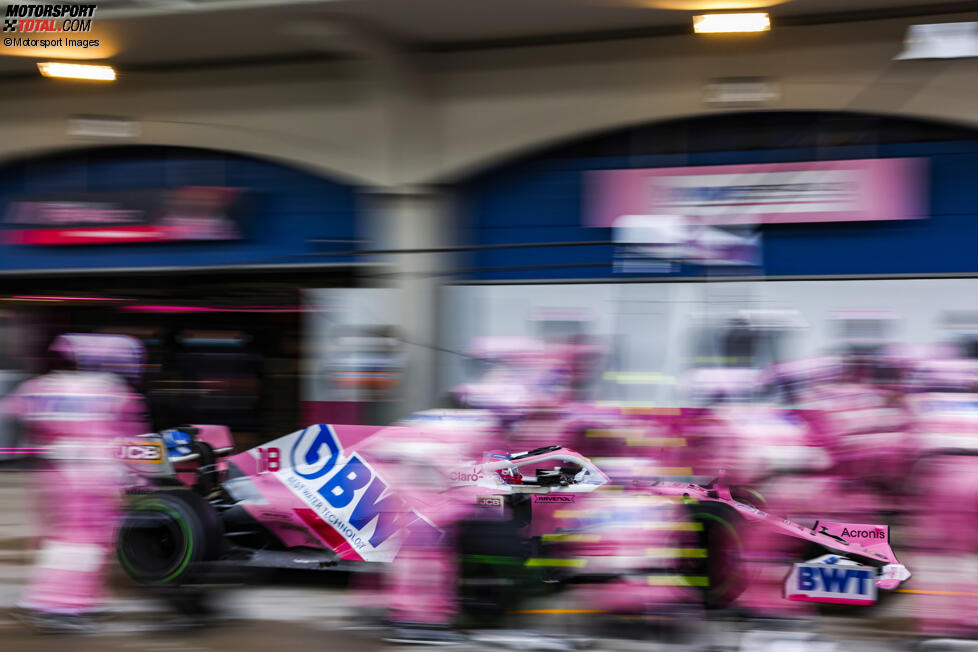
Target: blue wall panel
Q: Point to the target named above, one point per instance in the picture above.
(290, 207)
(540, 200)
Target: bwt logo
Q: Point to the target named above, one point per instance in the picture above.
(315, 453)
(834, 579)
(354, 484)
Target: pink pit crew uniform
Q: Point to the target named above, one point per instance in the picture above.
(76, 416)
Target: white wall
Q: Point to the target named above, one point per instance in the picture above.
(650, 325)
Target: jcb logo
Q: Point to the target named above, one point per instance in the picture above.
(142, 452)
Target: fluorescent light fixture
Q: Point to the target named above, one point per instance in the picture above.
(941, 41)
(727, 23)
(93, 126)
(742, 91)
(76, 70)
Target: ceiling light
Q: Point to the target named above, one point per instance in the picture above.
(76, 70)
(711, 5)
(726, 23)
(941, 41)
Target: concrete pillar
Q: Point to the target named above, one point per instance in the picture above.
(406, 223)
(401, 217)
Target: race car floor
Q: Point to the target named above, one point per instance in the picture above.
(319, 616)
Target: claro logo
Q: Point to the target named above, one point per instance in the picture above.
(473, 475)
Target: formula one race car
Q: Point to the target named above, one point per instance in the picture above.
(348, 497)
(323, 497)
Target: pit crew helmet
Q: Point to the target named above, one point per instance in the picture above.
(118, 354)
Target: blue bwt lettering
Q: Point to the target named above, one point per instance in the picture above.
(320, 448)
(339, 491)
(834, 580)
(315, 454)
(861, 578)
(389, 511)
(806, 579)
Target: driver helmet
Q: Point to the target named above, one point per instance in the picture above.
(177, 442)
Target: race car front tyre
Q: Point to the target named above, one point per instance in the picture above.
(492, 574)
(720, 573)
(165, 536)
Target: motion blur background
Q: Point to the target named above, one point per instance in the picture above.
(414, 148)
(385, 181)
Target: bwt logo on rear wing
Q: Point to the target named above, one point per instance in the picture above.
(831, 583)
(349, 495)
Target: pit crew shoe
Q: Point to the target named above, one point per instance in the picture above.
(422, 634)
(44, 622)
(531, 641)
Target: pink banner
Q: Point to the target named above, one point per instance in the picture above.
(776, 193)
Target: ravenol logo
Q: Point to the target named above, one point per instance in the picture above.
(553, 499)
(48, 18)
(349, 495)
(831, 583)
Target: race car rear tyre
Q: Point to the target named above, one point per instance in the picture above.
(166, 536)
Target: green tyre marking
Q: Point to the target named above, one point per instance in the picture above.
(184, 528)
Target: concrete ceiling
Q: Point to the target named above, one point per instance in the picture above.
(140, 34)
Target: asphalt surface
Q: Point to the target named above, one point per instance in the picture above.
(318, 614)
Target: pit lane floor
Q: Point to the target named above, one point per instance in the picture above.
(319, 615)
